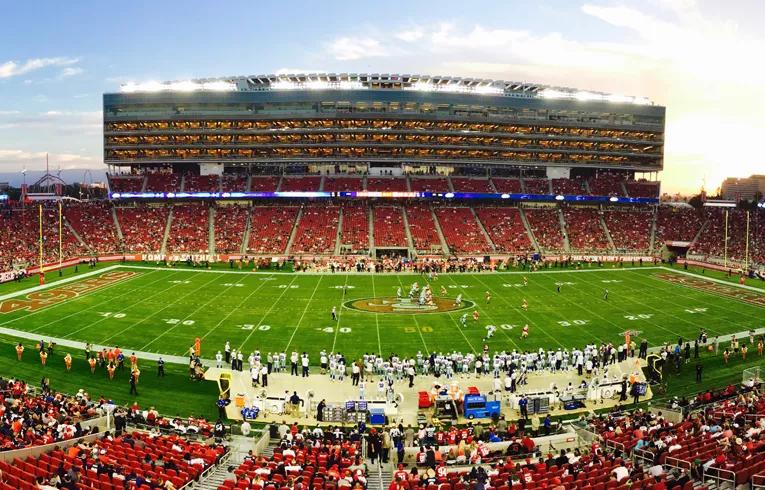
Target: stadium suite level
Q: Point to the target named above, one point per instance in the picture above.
(388, 121)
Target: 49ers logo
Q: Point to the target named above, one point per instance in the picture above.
(42, 299)
(391, 304)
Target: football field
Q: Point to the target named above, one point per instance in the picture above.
(158, 309)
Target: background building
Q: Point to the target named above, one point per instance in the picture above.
(744, 189)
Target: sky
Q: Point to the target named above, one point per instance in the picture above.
(702, 59)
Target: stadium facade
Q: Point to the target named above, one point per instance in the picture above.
(375, 123)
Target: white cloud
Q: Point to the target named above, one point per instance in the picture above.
(10, 69)
(70, 71)
(14, 157)
(410, 35)
(354, 48)
(699, 64)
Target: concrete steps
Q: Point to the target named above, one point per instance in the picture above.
(562, 220)
(166, 235)
(444, 246)
(606, 231)
(294, 231)
(409, 239)
(211, 229)
(530, 233)
(483, 230)
(247, 230)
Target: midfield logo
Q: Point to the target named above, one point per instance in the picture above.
(391, 304)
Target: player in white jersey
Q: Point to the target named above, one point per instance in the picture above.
(490, 329)
(463, 320)
(398, 292)
(458, 300)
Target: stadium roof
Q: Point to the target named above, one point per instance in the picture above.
(375, 81)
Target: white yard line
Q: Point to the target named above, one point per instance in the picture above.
(339, 315)
(204, 305)
(305, 310)
(231, 312)
(48, 308)
(158, 311)
(377, 319)
(266, 314)
(121, 310)
(416, 323)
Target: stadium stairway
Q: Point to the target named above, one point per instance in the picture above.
(77, 235)
(371, 231)
(238, 445)
(211, 229)
(587, 186)
(279, 184)
(444, 246)
(483, 230)
(117, 226)
(652, 242)
(166, 235)
(145, 182)
(246, 234)
(624, 188)
(339, 235)
(564, 232)
(293, 233)
(607, 232)
(530, 233)
(380, 476)
(409, 239)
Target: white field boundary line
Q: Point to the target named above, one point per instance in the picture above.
(225, 289)
(69, 301)
(457, 325)
(305, 310)
(714, 279)
(172, 303)
(413, 274)
(54, 284)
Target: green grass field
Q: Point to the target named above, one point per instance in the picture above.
(162, 310)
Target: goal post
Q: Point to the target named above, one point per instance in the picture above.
(752, 375)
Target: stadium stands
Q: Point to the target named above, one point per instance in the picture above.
(234, 183)
(584, 230)
(387, 184)
(264, 184)
(510, 186)
(466, 184)
(677, 224)
(317, 229)
(230, 224)
(305, 184)
(389, 227)
(142, 227)
(568, 186)
(163, 182)
(630, 230)
(270, 228)
(545, 225)
(429, 184)
(189, 230)
(461, 230)
(606, 184)
(423, 228)
(505, 228)
(642, 188)
(313, 463)
(711, 241)
(201, 183)
(343, 184)
(355, 232)
(126, 183)
(94, 223)
(537, 186)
